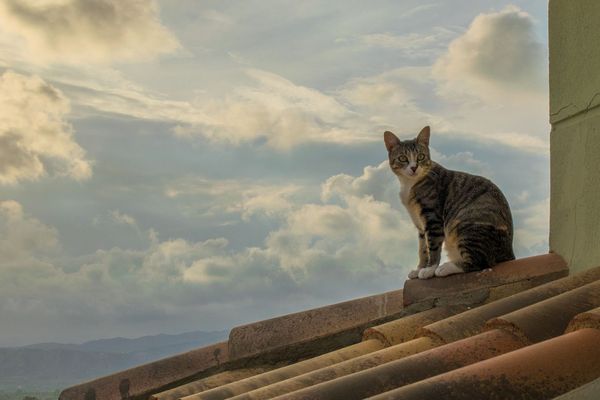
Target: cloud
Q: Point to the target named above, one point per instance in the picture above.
(360, 239)
(455, 96)
(532, 226)
(319, 252)
(34, 136)
(211, 197)
(404, 100)
(274, 110)
(323, 248)
(393, 100)
(463, 161)
(412, 44)
(123, 219)
(83, 31)
(265, 108)
(376, 181)
(355, 240)
(499, 52)
(23, 237)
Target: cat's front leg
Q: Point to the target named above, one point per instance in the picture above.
(423, 256)
(435, 238)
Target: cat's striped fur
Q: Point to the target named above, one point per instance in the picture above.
(468, 213)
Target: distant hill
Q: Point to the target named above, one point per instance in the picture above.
(49, 366)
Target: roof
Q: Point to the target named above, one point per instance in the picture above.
(525, 329)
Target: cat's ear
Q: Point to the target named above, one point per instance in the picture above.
(390, 140)
(423, 137)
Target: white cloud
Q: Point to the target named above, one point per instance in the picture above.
(82, 31)
(321, 252)
(489, 86)
(34, 136)
(499, 53)
(23, 237)
(532, 227)
(392, 100)
(376, 181)
(266, 108)
(263, 107)
(363, 238)
(276, 110)
(220, 197)
(356, 240)
(122, 218)
(411, 44)
(463, 161)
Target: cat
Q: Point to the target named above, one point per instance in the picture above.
(468, 213)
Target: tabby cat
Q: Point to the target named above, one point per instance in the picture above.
(466, 212)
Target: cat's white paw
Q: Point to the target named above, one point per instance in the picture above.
(427, 272)
(414, 274)
(448, 268)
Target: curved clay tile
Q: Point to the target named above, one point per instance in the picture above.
(540, 371)
(470, 322)
(267, 378)
(588, 319)
(411, 369)
(404, 329)
(341, 369)
(549, 318)
(380, 336)
(207, 383)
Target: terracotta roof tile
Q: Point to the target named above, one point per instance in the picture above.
(341, 369)
(411, 369)
(395, 332)
(588, 319)
(543, 319)
(540, 371)
(290, 371)
(549, 318)
(470, 322)
(209, 382)
(405, 328)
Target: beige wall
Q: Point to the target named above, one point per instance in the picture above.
(574, 35)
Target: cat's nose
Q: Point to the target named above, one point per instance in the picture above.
(413, 168)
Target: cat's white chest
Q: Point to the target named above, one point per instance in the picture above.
(413, 208)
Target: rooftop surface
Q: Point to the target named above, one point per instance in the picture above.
(525, 329)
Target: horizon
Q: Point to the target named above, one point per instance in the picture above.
(113, 338)
(213, 164)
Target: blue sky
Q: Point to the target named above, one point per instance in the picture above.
(179, 165)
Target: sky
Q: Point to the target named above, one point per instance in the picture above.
(169, 166)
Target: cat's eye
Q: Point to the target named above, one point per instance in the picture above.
(403, 159)
(421, 157)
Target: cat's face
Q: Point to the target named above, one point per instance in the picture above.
(409, 159)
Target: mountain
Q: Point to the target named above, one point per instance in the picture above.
(49, 366)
